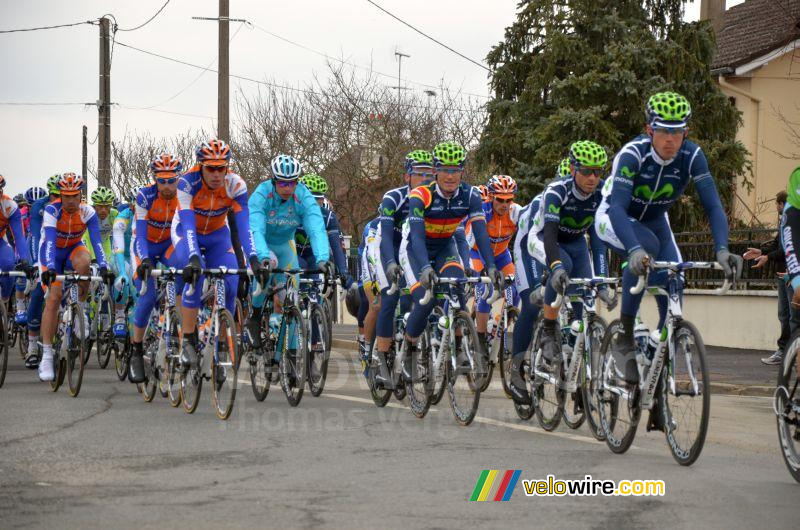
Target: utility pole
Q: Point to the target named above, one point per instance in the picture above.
(104, 108)
(223, 79)
(84, 161)
(399, 56)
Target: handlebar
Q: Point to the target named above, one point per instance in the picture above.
(452, 281)
(77, 278)
(680, 267)
(585, 282)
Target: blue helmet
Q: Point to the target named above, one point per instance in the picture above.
(285, 167)
(34, 194)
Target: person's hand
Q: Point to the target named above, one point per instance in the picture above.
(731, 264)
(608, 298)
(393, 273)
(119, 283)
(107, 275)
(260, 270)
(638, 260)
(144, 268)
(780, 275)
(752, 253)
(192, 270)
(497, 278)
(48, 277)
(558, 279)
(537, 296)
(324, 267)
(427, 278)
(760, 261)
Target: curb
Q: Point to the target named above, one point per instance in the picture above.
(350, 347)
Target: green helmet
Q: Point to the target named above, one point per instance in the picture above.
(103, 196)
(449, 154)
(52, 185)
(418, 158)
(587, 153)
(793, 189)
(317, 185)
(668, 109)
(562, 170)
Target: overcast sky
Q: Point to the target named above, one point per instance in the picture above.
(61, 65)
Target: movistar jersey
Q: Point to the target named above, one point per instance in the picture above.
(305, 250)
(393, 212)
(643, 187)
(573, 210)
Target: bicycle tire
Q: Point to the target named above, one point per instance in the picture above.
(380, 396)
(4, 346)
(191, 385)
(419, 390)
(438, 378)
(76, 350)
(293, 370)
(685, 456)
(545, 393)
(59, 368)
(613, 404)
(104, 336)
(589, 385)
(463, 381)
(504, 355)
(150, 351)
(121, 358)
(225, 367)
(317, 368)
(170, 379)
(785, 402)
(260, 373)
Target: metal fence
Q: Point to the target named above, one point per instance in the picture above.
(698, 246)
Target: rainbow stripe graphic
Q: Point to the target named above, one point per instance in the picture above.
(496, 485)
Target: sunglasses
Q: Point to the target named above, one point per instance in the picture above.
(586, 171)
(670, 131)
(216, 169)
(171, 180)
(286, 183)
(449, 170)
(503, 201)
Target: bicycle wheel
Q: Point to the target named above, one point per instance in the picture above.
(328, 315)
(619, 409)
(419, 389)
(318, 348)
(121, 358)
(103, 330)
(4, 346)
(380, 396)
(149, 358)
(24, 341)
(191, 384)
(293, 360)
(75, 349)
(225, 366)
(524, 411)
(786, 402)
(466, 370)
(59, 363)
(686, 395)
(590, 377)
(260, 373)
(548, 397)
(438, 379)
(504, 353)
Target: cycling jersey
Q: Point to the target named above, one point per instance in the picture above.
(274, 220)
(393, 212)
(62, 234)
(643, 186)
(36, 216)
(106, 229)
(154, 216)
(10, 218)
(305, 250)
(204, 211)
(501, 228)
(366, 257)
(790, 230)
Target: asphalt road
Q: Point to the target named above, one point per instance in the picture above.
(107, 459)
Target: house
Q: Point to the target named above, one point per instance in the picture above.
(757, 65)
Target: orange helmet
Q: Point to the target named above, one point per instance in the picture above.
(70, 184)
(484, 192)
(502, 186)
(213, 153)
(165, 163)
(2, 182)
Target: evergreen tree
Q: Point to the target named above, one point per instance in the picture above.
(583, 69)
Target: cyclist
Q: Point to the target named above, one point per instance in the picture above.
(790, 238)
(428, 248)
(36, 305)
(558, 237)
(62, 248)
(278, 207)
(102, 200)
(502, 216)
(318, 187)
(369, 300)
(154, 210)
(201, 237)
(10, 218)
(31, 196)
(122, 234)
(385, 248)
(650, 173)
(24, 209)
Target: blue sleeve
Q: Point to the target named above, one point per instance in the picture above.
(314, 226)
(416, 233)
(334, 238)
(387, 210)
(258, 221)
(709, 198)
(242, 219)
(626, 166)
(19, 237)
(186, 216)
(552, 220)
(599, 256)
(93, 225)
(49, 247)
(479, 228)
(36, 230)
(141, 228)
(460, 236)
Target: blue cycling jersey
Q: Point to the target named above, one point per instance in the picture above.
(393, 212)
(305, 250)
(643, 187)
(35, 229)
(274, 220)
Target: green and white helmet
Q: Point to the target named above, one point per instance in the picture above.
(52, 185)
(449, 154)
(588, 154)
(317, 185)
(103, 196)
(668, 109)
(562, 170)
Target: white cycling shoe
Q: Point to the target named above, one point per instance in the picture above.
(46, 372)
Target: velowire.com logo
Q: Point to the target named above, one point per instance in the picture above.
(494, 485)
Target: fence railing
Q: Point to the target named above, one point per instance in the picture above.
(698, 246)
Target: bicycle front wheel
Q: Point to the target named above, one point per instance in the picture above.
(686, 395)
(786, 403)
(590, 377)
(121, 358)
(318, 349)
(504, 353)
(75, 350)
(103, 330)
(293, 355)
(419, 389)
(150, 346)
(619, 409)
(24, 341)
(465, 370)
(225, 366)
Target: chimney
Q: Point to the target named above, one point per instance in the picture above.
(713, 10)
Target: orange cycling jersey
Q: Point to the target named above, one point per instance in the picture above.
(69, 226)
(501, 228)
(210, 206)
(7, 209)
(154, 214)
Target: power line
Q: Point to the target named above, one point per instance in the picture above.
(169, 112)
(146, 22)
(43, 103)
(93, 22)
(440, 43)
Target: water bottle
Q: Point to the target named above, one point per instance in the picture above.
(575, 329)
(274, 326)
(491, 327)
(653, 341)
(444, 323)
(641, 336)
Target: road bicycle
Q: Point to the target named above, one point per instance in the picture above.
(318, 332)
(674, 380)
(786, 405)
(498, 337)
(101, 322)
